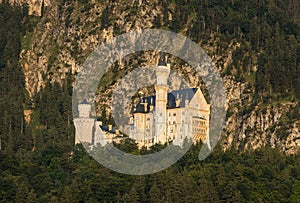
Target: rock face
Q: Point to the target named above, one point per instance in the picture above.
(35, 6)
(67, 33)
(250, 126)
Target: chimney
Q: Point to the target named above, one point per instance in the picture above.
(151, 104)
(177, 100)
(168, 63)
(145, 107)
(187, 99)
(145, 103)
(109, 127)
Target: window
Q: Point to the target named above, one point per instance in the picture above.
(174, 114)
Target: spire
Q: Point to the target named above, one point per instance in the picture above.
(162, 60)
(84, 102)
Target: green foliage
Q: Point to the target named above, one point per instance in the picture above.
(295, 196)
(264, 175)
(105, 21)
(267, 32)
(52, 57)
(40, 164)
(127, 145)
(11, 79)
(27, 41)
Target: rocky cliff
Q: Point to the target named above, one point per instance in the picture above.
(68, 31)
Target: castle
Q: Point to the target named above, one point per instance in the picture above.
(161, 118)
(174, 116)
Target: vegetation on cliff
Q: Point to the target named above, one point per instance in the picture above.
(38, 160)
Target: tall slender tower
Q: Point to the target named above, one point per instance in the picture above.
(161, 89)
(84, 124)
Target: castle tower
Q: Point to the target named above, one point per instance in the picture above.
(161, 89)
(84, 124)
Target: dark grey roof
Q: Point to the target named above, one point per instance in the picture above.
(162, 60)
(105, 128)
(84, 102)
(184, 94)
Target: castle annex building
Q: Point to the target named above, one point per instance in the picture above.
(91, 131)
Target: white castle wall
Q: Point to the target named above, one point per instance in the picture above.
(84, 125)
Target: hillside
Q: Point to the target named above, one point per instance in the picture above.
(255, 46)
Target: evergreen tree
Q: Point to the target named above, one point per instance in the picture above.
(295, 196)
(31, 197)
(12, 130)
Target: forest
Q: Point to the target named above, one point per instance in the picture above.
(39, 162)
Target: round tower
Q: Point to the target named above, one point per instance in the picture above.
(161, 89)
(84, 124)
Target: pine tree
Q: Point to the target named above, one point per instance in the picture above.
(155, 193)
(295, 196)
(22, 192)
(31, 197)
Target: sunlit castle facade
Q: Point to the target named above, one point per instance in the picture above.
(174, 116)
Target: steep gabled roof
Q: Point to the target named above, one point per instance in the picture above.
(184, 94)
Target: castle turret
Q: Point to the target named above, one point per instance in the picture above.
(84, 109)
(161, 89)
(84, 124)
(162, 71)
